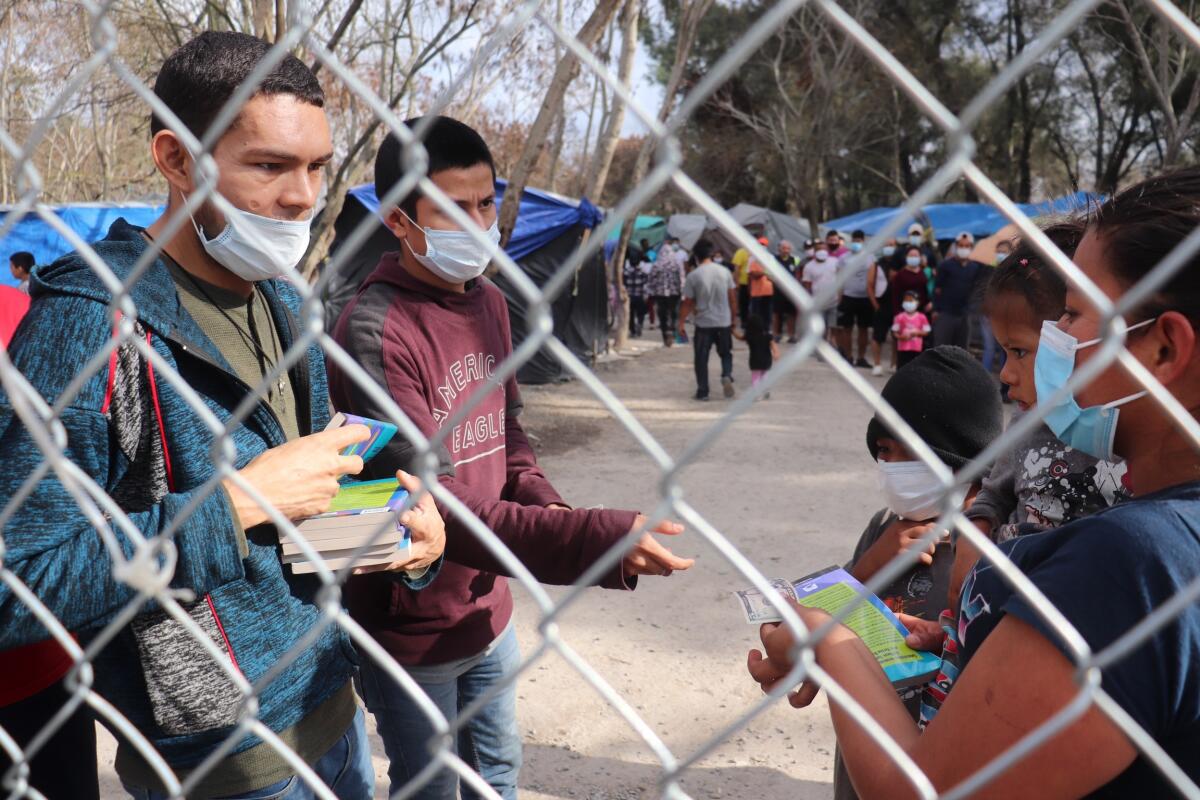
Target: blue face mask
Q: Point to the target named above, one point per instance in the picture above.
(856, 247)
(1089, 430)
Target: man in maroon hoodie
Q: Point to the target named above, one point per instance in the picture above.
(430, 330)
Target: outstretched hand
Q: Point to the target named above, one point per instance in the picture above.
(649, 557)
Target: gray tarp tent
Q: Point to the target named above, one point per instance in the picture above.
(688, 227)
(756, 219)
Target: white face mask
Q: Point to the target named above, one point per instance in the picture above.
(909, 305)
(911, 489)
(913, 261)
(963, 253)
(257, 248)
(808, 251)
(454, 256)
(822, 255)
(915, 238)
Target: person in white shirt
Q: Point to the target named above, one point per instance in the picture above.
(817, 276)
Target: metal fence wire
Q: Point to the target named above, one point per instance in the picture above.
(147, 565)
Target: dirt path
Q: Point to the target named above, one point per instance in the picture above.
(790, 484)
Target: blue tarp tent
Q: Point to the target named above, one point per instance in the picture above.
(543, 218)
(949, 219)
(549, 229)
(90, 221)
(861, 221)
(652, 229)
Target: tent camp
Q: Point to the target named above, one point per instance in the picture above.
(950, 219)
(549, 229)
(89, 221)
(759, 221)
(688, 228)
(652, 229)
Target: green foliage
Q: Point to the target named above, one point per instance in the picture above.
(807, 127)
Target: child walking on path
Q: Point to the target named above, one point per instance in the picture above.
(911, 327)
(763, 349)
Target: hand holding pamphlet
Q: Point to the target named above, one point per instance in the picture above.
(357, 513)
(381, 434)
(833, 590)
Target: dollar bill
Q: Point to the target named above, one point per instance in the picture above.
(757, 609)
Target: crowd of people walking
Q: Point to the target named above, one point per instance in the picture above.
(908, 296)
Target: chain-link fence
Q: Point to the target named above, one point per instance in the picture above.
(146, 560)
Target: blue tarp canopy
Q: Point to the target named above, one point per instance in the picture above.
(950, 219)
(652, 229)
(872, 218)
(90, 221)
(543, 218)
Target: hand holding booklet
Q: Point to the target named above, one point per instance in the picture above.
(833, 590)
(356, 515)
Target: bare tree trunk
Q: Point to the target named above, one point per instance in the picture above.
(560, 132)
(5, 197)
(535, 143)
(602, 161)
(690, 14)
(1176, 126)
(264, 26)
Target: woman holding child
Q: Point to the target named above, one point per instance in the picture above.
(1105, 573)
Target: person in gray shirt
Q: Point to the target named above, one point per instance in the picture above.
(710, 292)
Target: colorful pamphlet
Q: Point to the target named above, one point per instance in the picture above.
(833, 589)
(381, 434)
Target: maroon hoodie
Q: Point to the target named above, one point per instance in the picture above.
(431, 350)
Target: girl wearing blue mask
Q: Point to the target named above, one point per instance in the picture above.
(1106, 575)
(1041, 483)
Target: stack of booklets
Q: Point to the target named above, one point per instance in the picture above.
(362, 512)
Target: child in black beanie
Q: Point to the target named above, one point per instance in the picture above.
(952, 404)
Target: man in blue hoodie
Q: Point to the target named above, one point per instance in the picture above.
(213, 308)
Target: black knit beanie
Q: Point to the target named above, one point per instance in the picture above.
(949, 399)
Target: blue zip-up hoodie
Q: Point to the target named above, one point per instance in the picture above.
(153, 671)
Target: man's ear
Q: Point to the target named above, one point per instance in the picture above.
(395, 222)
(173, 160)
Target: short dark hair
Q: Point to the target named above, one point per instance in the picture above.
(703, 250)
(1141, 224)
(858, 235)
(449, 143)
(22, 259)
(198, 78)
(1029, 278)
